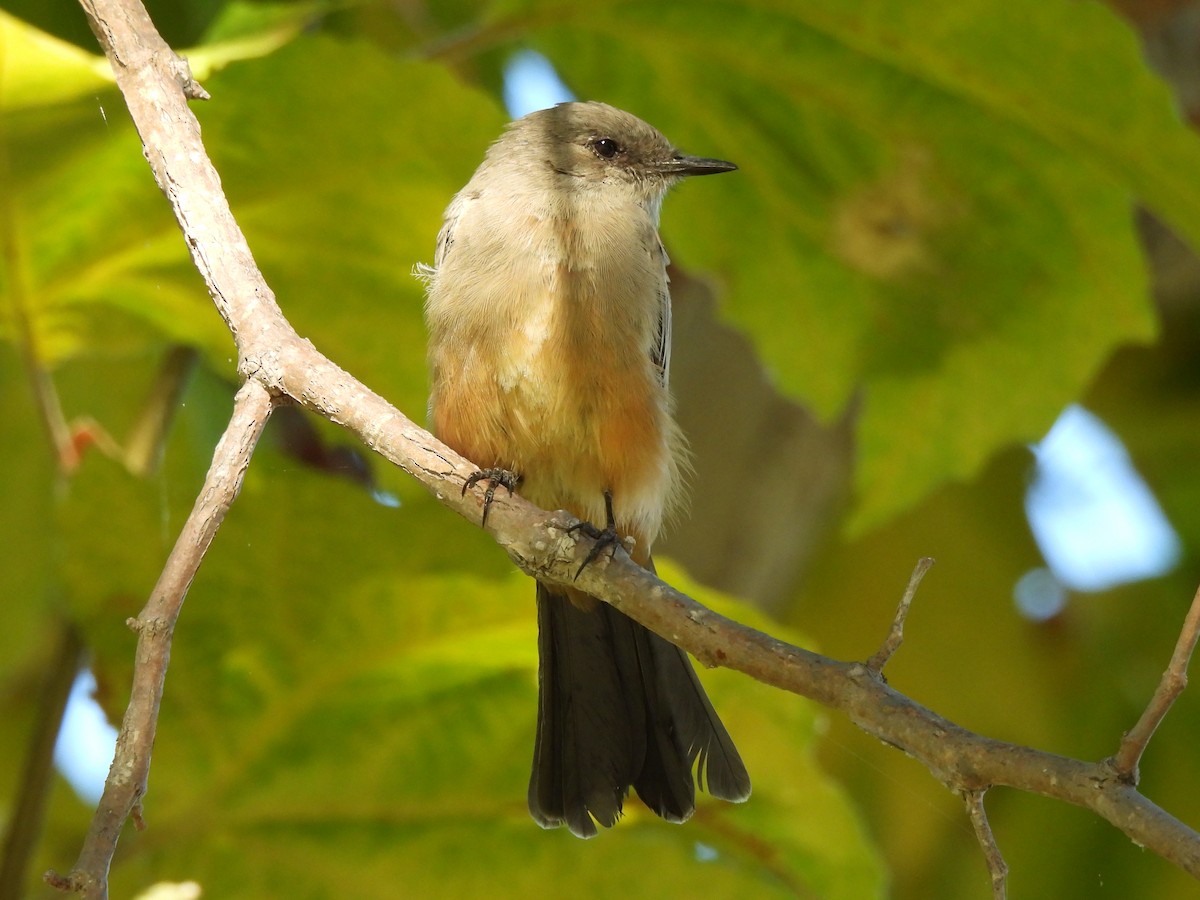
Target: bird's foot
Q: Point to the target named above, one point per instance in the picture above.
(495, 477)
(605, 539)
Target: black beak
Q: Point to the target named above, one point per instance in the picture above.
(681, 165)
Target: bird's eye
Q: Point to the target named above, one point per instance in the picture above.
(606, 147)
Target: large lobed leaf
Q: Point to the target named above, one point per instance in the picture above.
(934, 208)
(353, 706)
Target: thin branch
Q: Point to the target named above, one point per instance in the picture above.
(997, 867)
(127, 778)
(275, 361)
(142, 451)
(33, 787)
(959, 758)
(896, 636)
(1174, 680)
(19, 301)
(41, 382)
(144, 445)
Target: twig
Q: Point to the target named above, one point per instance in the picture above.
(997, 867)
(19, 302)
(143, 448)
(127, 778)
(41, 382)
(1171, 685)
(896, 636)
(25, 816)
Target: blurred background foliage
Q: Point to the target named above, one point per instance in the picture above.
(950, 224)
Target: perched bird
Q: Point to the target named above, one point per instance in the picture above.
(550, 346)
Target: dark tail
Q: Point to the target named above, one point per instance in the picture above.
(618, 706)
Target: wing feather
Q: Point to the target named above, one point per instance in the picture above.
(661, 353)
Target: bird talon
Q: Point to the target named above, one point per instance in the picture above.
(495, 477)
(605, 539)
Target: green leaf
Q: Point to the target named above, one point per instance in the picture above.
(27, 590)
(933, 208)
(351, 701)
(108, 268)
(39, 70)
(354, 686)
(336, 214)
(250, 30)
(95, 258)
(341, 195)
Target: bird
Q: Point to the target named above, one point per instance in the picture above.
(549, 322)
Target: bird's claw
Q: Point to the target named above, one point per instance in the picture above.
(605, 539)
(495, 477)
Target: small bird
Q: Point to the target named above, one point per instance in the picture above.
(549, 327)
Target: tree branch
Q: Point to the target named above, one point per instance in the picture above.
(896, 636)
(1174, 680)
(997, 867)
(127, 778)
(276, 362)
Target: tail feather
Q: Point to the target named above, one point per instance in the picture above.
(719, 768)
(618, 706)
